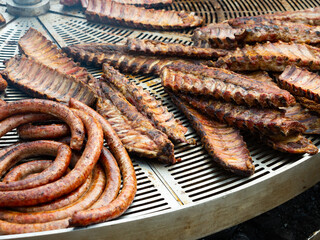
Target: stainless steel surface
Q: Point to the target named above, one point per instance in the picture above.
(194, 197)
(30, 8)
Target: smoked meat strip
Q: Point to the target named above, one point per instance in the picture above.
(147, 105)
(223, 143)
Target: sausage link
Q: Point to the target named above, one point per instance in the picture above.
(129, 189)
(50, 107)
(96, 188)
(16, 228)
(23, 150)
(60, 202)
(113, 176)
(21, 171)
(69, 182)
(48, 131)
(12, 122)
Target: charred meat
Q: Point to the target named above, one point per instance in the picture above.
(224, 84)
(112, 12)
(151, 47)
(271, 57)
(255, 120)
(147, 105)
(36, 46)
(223, 143)
(41, 81)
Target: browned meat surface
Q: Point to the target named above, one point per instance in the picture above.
(136, 132)
(301, 82)
(295, 143)
(41, 81)
(157, 48)
(98, 53)
(309, 16)
(255, 120)
(309, 104)
(3, 84)
(271, 57)
(218, 35)
(111, 12)
(147, 105)
(308, 119)
(224, 84)
(35, 45)
(223, 143)
(145, 3)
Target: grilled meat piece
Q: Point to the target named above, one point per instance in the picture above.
(301, 82)
(295, 143)
(98, 53)
(309, 104)
(271, 57)
(307, 16)
(41, 81)
(223, 143)
(156, 48)
(224, 84)
(145, 3)
(37, 46)
(119, 112)
(110, 12)
(147, 105)
(255, 120)
(3, 84)
(306, 118)
(218, 35)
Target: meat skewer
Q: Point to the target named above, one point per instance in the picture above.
(223, 143)
(106, 11)
(147, 105)
(222, 84)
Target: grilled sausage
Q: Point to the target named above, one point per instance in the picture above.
(69, 182)
(129, 189)
(49, 131)
(113, 176)
(50, 107)
(21, 171)
(12, 122)
(96, 188)
(24, 150)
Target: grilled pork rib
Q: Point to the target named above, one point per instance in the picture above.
(218, 35)
(224, 84)
(122, 113)
(223, 143)
(295, 143)
(147, 105)
(301, 82)
(35, 45)
(271, 57)
(156, 48)
(41, 81)
(145, 3)
(255, 120)
(111, 12)
(309, 104)
(98, 53)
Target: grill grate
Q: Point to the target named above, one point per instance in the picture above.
(196, 179)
